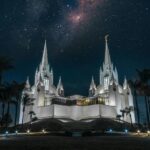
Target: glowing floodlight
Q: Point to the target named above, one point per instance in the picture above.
(126, 130)
(6, 132)
(148, 132)
(16, 132)
(43, 131)
(110, 130)
(138, 132)
(28, 131)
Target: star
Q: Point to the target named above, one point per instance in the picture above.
(68, 6)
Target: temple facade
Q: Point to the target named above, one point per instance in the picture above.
(108, 99)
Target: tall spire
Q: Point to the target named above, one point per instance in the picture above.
(107, 60)
(92, 89)
(60, 85)
(27, 85)
(45, 56)
(125, 84)
(60, 89)
(92, 85)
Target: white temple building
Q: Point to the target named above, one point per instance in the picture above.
(108, 100)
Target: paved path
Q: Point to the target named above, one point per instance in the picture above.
(74, 143)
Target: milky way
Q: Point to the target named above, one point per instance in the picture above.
(62, 20)
(75, 30)
(74, 19)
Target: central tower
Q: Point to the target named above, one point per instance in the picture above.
(108, 72)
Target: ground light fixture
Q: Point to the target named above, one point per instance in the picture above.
(148, 132)
(6, 132)
(28, 131)
(16, 131)
(43, 131)
(110, 130)
(138, 132)
(126, 130)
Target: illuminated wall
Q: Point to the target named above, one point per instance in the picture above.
(74, 112)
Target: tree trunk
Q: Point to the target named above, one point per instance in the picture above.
(3, 112)
(148, 100)
(0, 78)
(16, 113)
(8, 110)
(137, 108)
(147, 111)
(131, 120)
(23, 115)
(30, 118)
(3, 109)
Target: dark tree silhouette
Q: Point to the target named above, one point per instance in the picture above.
(31, 114)
(128, 111)
(123, 113)
(135, 86)
(7, 97)
(5, 65)
(26, 101)
(16, 97)
(144, 89)
(3, 101)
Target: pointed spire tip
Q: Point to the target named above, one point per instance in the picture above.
(107, 59)
(106, 37)
(45, 56)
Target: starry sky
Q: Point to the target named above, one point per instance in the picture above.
(75, 30)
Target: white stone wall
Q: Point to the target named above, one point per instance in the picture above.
(20, 114)
(44, 111)
(108, 111)
(84, 112)
(26, 114)
(119, 101)
(76, 112)
(72, 112)
(132, 104)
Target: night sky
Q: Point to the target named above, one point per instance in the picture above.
(75, 30)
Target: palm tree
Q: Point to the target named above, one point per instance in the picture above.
(123, 113)
(6, 99)
(128, 111)
(147, 102)
(3, 101)
(135, 86)
(26, 101)
(9, 98)
(5, 65)
(16, 95)
(31, 113)
(118, 117)
(144, 89)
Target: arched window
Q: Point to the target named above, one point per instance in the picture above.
(106, 82)
(46, 83)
